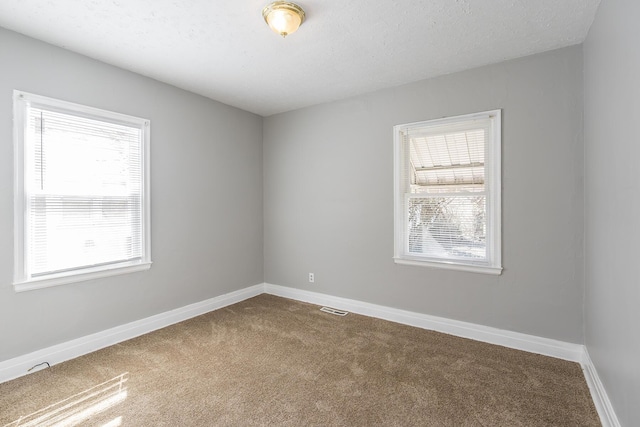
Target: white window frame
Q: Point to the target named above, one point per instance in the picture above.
(493, 186)
(23, 279)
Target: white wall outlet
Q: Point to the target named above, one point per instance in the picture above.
(312, 278)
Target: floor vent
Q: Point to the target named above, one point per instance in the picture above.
(334, 311)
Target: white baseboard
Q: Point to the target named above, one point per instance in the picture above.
(530, 343)
(516, 340)
(16, 367)
(599, 395)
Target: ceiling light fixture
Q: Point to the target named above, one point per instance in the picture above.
(283, 17)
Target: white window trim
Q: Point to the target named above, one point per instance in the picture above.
(22, 281)
(493, 151)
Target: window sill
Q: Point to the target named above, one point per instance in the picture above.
(496, 271)
(73, 277)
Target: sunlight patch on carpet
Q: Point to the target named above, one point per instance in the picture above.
(80, 407)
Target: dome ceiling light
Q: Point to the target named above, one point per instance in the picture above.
(283, 17)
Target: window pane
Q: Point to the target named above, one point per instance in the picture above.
(71, 232)
(448, 227)
(448, 162)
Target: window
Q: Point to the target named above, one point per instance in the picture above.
(81, 192)
(447, 193)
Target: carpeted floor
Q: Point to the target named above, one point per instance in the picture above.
(273, 361)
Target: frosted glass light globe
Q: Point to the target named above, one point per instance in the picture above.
(283, 17)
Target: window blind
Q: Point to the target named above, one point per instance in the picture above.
(83, 191)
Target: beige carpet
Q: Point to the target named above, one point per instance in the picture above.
(273, 361)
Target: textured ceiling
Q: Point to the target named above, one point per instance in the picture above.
(222, 49)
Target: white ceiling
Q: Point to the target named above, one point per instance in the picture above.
(222, 49)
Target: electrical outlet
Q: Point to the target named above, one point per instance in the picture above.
(311, 278)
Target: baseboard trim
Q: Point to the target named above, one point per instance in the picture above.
(516, 340)
(530, 343)
(17, 367)
(598, 393)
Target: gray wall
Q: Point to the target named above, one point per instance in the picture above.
(612, 188)
(206, 199)
(328, 197)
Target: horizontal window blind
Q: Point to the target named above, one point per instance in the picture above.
(452, 227)
(83, 189)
